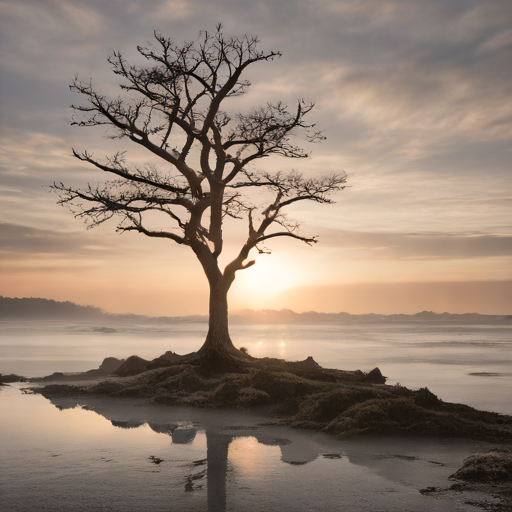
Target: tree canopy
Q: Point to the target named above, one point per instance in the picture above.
(175, 107)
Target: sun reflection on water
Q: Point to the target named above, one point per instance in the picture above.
(251, 458)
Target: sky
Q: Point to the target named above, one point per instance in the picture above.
(415, 101)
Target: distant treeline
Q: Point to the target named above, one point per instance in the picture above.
(44, 309)
(47, 309)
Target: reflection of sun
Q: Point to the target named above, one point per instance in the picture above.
(271, 274)
(251, 458)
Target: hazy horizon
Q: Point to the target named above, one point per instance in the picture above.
(414, 100)
(263, 310)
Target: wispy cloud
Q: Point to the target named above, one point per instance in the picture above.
(18, 239)
(389, 245)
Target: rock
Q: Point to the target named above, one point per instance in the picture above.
(168, 359)
(375, 377)
(425, 398)
(171, 357)
(110, 365)
(494, 466)
(308, 363)
(132, 366)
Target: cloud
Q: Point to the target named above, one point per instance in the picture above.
(500, 41)
(29, 249)
(414, 96)
(404, 77)
(389, 245)
(17, 239)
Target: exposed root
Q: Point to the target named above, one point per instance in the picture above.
(215, 363)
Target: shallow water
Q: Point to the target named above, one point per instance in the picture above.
(469, 364)
(124, 455)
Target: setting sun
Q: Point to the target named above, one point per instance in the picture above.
(271, 274)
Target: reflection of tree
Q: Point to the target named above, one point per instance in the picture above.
(217, 446)
(162, 428)
(127, 424)
(218, 439)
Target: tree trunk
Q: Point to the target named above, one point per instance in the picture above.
(218, 352)
(218, 339)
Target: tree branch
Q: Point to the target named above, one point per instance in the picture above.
(308, 241)
(173, 110)
(155, 234)
(117, 169)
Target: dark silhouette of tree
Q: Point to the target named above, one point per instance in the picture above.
(172, 108)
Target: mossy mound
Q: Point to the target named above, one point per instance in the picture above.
(184, 385)
(490, 467)
(325, 407)
(345, 405)
(353, 409)
(490, 473)
(250, 397)
(281, 386)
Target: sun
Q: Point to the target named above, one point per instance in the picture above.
(271, 274)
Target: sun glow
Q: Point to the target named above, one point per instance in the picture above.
(270, 274)
(249, 456)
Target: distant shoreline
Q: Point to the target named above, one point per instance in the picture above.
(38, 309)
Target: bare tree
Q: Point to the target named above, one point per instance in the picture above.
(172, 108)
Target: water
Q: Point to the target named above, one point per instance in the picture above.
(469, 364)
(125, 455)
